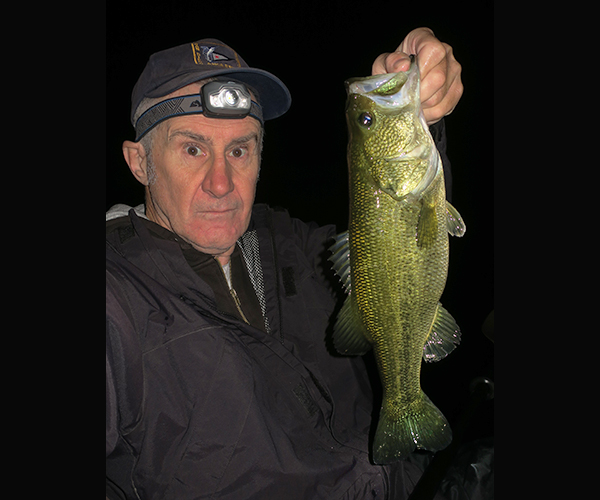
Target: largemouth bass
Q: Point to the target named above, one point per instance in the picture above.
(393, 260)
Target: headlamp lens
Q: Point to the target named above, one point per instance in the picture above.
(231, 97)
(226, 99)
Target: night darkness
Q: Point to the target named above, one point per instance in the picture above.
(313, 47)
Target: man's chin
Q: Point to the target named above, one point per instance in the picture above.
(216, 233)
(213, 240)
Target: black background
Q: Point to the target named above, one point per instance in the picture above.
(313, 46)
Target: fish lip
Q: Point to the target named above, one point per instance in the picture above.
(364, 85)
(367, 85)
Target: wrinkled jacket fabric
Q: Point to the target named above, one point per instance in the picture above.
(202, 405)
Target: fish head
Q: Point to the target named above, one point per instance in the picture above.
(388, 135)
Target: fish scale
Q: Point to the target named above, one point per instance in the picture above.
(396, 250)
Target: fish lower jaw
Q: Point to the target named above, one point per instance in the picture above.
(402, 195)
(393, 194)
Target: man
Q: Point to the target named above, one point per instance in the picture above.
(220, 380)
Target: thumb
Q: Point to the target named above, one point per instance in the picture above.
(391, 62)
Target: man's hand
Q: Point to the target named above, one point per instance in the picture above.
(441, 86)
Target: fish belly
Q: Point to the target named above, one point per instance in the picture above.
(397, 285)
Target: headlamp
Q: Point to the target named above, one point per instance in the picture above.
(225, 99)
(217, 99)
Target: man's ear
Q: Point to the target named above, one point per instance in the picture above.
(135, 156)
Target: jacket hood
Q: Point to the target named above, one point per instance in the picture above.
(122, 210)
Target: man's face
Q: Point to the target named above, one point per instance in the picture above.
(206, 171)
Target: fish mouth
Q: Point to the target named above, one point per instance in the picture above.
(407, 87)
(366, 85)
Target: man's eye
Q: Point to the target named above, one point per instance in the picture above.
(238, 152)
(193, 151)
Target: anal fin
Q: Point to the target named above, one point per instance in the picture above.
(443, 338)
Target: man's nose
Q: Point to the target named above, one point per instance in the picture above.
(218, 180)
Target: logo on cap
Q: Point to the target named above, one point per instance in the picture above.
(212, 56)
(207, 54)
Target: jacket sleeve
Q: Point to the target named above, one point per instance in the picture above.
(438, 132)
(124, 373)
(111, 407)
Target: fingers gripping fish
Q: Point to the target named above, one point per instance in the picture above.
(393, 260)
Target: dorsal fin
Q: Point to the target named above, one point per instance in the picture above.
(341, 259)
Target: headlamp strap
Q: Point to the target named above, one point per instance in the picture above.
(183, 105)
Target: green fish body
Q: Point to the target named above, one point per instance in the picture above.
(393, 260)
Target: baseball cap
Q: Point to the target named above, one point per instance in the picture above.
(171, 69)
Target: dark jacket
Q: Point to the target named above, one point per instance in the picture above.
(201, 404)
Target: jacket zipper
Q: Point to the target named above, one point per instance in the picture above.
(238, 305)
(234, 295)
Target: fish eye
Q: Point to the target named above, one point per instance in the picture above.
(365, 119)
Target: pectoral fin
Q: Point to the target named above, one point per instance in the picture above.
(456, 225)
(427, 228)
(349, 334)
(443, 337)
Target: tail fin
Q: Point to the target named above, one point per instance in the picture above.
(421, 425)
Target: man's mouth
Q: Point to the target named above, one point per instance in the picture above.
(215, 212)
